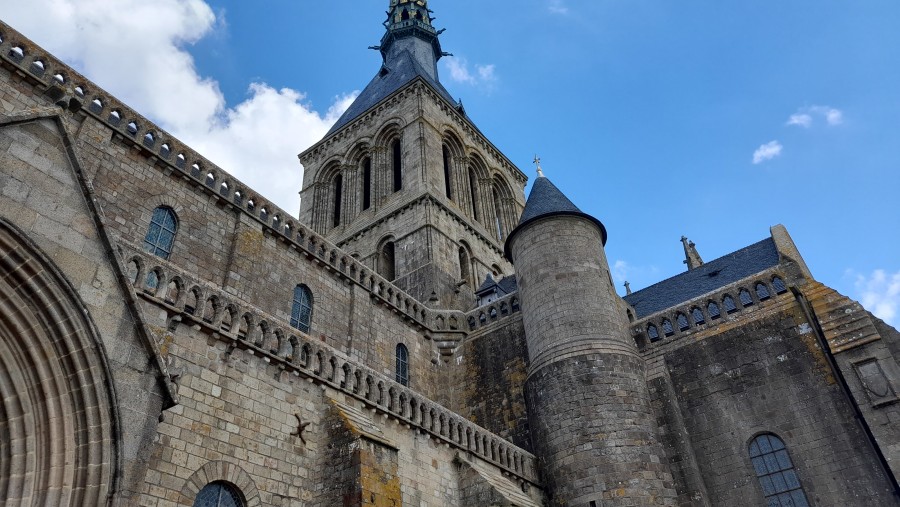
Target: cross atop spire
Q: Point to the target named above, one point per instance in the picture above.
(537, 162)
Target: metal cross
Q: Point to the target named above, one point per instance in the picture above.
(537, 162)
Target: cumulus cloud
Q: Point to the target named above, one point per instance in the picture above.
(879, 292)
(805, 117)
(136, 50)
(482, 74)
(557, 7)
(767, 151)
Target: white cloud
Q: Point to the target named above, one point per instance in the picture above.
(136, 51)
(482, 75)
(803, 120)
(767, 151)
(557, 7)
(804, 117)
(638, 276)
(879, 293)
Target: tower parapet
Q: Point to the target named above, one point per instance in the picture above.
(588, 401)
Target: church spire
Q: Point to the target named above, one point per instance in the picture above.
(409, 28)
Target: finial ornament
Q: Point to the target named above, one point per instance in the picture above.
(627, 288)
(692, 257)
(537, 162)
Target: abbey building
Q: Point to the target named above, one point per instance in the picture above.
(421, 335)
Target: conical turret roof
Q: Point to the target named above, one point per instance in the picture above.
(546, 200)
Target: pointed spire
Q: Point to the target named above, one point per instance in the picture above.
(627, 288)
(692, 258)
(409, 28)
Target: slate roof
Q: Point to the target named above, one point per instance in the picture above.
(547, 200)
(400, 72)
(706, 278)
(507, 285)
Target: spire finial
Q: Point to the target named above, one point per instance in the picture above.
(627, 288)
(537, 162)
(692, 257)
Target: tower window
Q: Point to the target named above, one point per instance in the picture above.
(498, 214)
(161, 235)
(776, 473)
(387, 265)
(464, 267)
(713, 310)
(473, 188)
(667, 327)
(338, 196)
(778, 285)
(683, 323)
(398, 165)
(402, 367)
(301, 310)
(762, 292)
(447, 180)
(729, 305)
(367, 184)
(218, 494)
(697, 315)
(746, 298)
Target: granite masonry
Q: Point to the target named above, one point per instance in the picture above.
(421, 335)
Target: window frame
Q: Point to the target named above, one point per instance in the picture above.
(775, 471)
(221, 487)
(303, 299)
(401, 365)
(158, 221)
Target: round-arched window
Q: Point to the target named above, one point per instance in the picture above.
(219, 494)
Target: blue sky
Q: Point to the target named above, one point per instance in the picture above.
(714, 120)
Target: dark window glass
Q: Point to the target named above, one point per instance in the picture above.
(746, 298)
(697, 315)
(762, 292)
(398, 165)
(218, 494)
(713, 310)
(775, 471)
(473, 187)
(729, 305)
(387, 263)
(402, 365)
(653, 333)
(447, 180)
(301, 310)
(778, 285)
(338, 196)
(367, 183)
(682, 320)
(161, 234)
(667, 327)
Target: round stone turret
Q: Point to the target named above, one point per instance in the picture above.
(592, 426)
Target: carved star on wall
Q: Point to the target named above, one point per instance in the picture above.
(301, 427)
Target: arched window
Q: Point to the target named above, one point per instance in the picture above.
(398, 165)
(683, 323)
(218, 494)
(473, 188)
(402, 365)
(161, 236)
(762, 292)
(464, 266)
(338, 189)
(448, 183)
(498, 214)
(653, 333)
(729, 305)
(697, 315)
(713, 310)
(667, 327)
(776, 473)
(746, 298)
(778, 285)
(301, 310)
(387, 263)
(367, 184)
